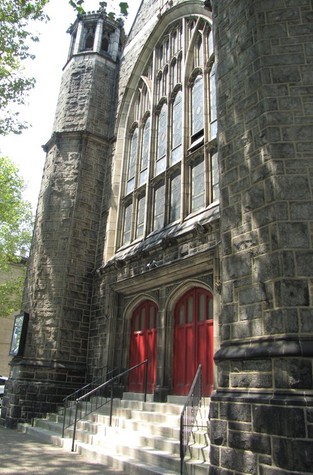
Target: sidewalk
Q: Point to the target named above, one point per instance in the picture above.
(23, 454)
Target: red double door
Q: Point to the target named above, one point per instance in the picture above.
(143, 342)
(193, 342)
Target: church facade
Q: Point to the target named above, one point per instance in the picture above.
(174, 224)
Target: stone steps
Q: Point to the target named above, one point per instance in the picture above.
(143, 438)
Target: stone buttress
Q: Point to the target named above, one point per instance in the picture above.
(262, 411)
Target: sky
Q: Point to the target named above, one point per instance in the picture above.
(51, 53)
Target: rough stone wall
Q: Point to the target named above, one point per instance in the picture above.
(261, 414)
(89, 80)
(65, 245)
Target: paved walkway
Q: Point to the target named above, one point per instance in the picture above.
(23, 454)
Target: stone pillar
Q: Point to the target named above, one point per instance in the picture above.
(80, 29)
(114, 44)
(98, 36)
(262, 412)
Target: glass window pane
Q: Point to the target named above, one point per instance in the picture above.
(197, 105)
(165, 78)
(162, 132)
(176, 155)
(166, 49)
(135, 322)
(174, 74)
(202, 300)
(132, 161)
(159, 207)
(152, 317)
(215, 177)
(210, 309)
(210, 43)
(143, 319)
(175, 198)
(162, 141)
(160, 165)
(140, 217)
(127, 224)
(174, 42)
(177, 129)
(159, 87)
(145, 149)
(213, 109)
(161, 54)
(143, 176)
(200, 51)
(197, 185)
(182, 315)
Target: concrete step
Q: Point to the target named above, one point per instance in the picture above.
(130, 465)
(143, 439)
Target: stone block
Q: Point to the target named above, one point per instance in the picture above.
(214, 455)
(239, 460)
(293, 455)
(218, 432)
(251, 380)
(292, 293)
(293, 373)
(284, 421)
(248, 441)
(235, 411)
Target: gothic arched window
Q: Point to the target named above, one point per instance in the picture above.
(177, 129)
(197, 115)
(161, 140)
(170, 163)
(132, 161)
(144, 162)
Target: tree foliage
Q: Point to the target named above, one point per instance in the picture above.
(11, 291)
(15, 37)
(16, 223)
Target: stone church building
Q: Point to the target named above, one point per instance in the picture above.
(175, 223)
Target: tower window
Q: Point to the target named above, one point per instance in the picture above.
(104, 44)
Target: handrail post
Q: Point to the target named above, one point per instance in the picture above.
(193, 402)
(86, 395)
(64, 417)
(75, 423)
(111, 404)
(146, 380)
(181, 443)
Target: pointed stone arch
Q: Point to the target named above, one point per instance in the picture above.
(141, 316)
(191, 341)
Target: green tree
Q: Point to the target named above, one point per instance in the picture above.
(16, 38)
(16, 223)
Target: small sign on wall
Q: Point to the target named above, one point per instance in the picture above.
(19, 335)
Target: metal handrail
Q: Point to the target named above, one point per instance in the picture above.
(99, 389)
(69, 400)
(189, 414)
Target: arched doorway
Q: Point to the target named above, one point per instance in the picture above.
(143, 339)
(193, 340)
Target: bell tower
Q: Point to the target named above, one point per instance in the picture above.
(65, 249)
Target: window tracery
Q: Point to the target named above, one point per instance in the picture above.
(172, 166)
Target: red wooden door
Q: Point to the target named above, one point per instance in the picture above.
(143, 340)
(193, 340)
